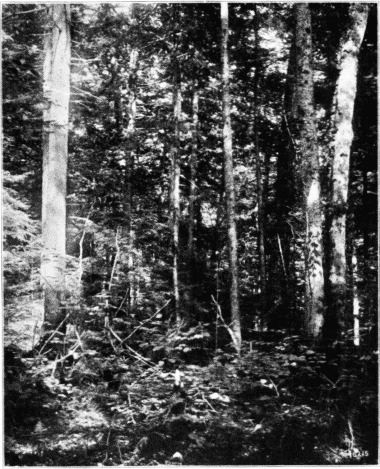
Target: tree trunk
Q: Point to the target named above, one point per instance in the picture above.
(283, 274)
(229, 182)
(344, 108)
(308, 152)
(192, 196)
(175, 178)
(259, 182)
(130, 151)
(56, 89)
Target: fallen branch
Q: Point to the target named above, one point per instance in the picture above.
(144, 322)
(54, 332)
(230, 331)
(137, 355)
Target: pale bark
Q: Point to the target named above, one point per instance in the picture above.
(308, 153)
(175, 189)
(343, 115)
(130, 151)
(229, 182)
(56, 89)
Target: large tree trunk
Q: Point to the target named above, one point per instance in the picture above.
(308, 152)
(229, 183)
(56, 89)
(344, 109)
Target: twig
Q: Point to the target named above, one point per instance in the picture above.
(144, 322)
(121, 304)
(52, 335)
(8, 17)
(282, 256)
(275, 387)
(207, 402)
(79, 339)
(140, 357)
(116, 258)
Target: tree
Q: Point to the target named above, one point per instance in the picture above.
(259, 182)
(193, 193)
(130, 153)
(309, 168)
(343, 136)
(175, 170)
(229, 185)
(56, 89)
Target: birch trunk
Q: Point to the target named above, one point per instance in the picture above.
(343, 136)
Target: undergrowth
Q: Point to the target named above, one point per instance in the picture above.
(283, 402)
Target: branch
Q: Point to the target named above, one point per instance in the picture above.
(140, 357)
(116, 258)
(21, 13)
(230, 331)
(144, 322)
(52, 335)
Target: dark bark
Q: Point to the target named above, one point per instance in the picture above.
(192, 199)
(259, 181)
(311, 192)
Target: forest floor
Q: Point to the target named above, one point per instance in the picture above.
(282, 402)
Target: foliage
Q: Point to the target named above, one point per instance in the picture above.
(21, 243)
(275, 406)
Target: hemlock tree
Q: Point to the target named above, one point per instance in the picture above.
(56, 89)
(343, 114)
(309, 168)
(229, 185)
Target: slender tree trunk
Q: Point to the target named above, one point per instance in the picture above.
(308, 149)
(56, 91)
(193, 195)
(259, 182)
(175, 179)
(344, 108)
(130, 152)
(229, 182)
(286, 200)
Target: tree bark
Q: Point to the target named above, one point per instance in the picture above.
(284, 275)
(229, 182)
(259, 183)
(193, 195)
(56, 89)
(343, 136)
(308, 153)
(175, 178)
(130, 151)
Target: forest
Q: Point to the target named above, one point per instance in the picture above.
(189, 215)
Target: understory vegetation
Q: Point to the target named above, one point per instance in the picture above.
(283, 402)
